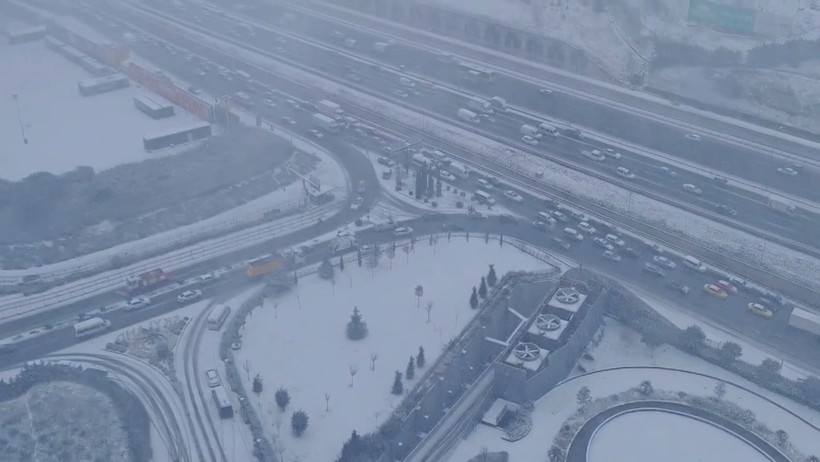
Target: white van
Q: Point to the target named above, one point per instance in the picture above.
(548, 129)
(694, 264)
(574, 234)
(529, 130)
(484, 183)
(545, 217)
(482, 196)
(594, 155)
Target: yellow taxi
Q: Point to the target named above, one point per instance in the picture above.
(760, 310)
(715, 291)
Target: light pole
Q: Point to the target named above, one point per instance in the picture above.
(20, 119)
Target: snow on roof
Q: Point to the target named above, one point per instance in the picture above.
(105, 79)
(80, 29)
(807, 315)
(152, 101)
(177, 129)
(25, 30)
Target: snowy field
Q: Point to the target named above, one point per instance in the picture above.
(651, 436)
(65, 129)
(298, 341)
(622, 347)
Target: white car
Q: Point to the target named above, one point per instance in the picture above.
(529, 140)
(513, 196)
(615, 240)
(663, 261)
(137, 303)
(316, 133)
(610, 255)
(545, 92)
(559, 216)
(445, 175)
(692, 137)
(400, 93)
(288, 120)
(788, 171)
(668, 172)
(485, 184)
(206, 278)
(357, 203)
(403, 231)
(189, 296)
(586, 227)
(603, 243)
(213, 378)
(270, 103)
(689, 187)
(624, 172)
(609, 152)
(578, 216)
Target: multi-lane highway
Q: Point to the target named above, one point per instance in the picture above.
(654, 176)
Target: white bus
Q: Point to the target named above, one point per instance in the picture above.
(223, 403)
(218, 315)
(483, 197)
(91, 327)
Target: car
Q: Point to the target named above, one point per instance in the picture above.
(445, 175)
(559, 216)
(189, 296)
(270, 103)
(603, 243)
(452, 227)
(403, 231)
(137, 303)
(545, 92)
(386, 162)
(513, 196)
(385, 225)
(213, 378)
(485, 184)
(316, 133)
(788, 171)
(624, 172)
(720, 181)
(654, 269)
(726, 286)
(678, 286)
(288, 120)
(609, 152)
(401, 93)
(667, 172)
(692, 137)
(725, 210)
(508, 219)
(560, 243)
(194, 90)
(475, 214)
(586, 227)
(611, 255)
(663, 261)
(715, 291)
(7, 348)
(206, 278)
(354, 77)
(538, 224)
(629, 252)
(529, 140)
(578, 216)
(760, 310)
(739, 282)
(615, 240)
(357, 203)
(690, 188)
(493, 180)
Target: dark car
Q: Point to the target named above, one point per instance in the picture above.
(538, 224)
(629, 252)
(507, 218)
(678, 287)
(654, 270)
(560, 243)
(720, 181)
(725, 210)
(7, 348)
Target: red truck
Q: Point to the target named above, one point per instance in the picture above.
(143, 282)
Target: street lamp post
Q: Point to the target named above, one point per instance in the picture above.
(20, 119)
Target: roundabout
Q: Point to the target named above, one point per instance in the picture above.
(664, 430)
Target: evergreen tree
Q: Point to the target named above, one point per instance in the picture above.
(299, 422)
(645, 388)
(474, 299)
(352, 448)
(398, 386)
(730, 351)
(257, 384)
(482, 289)
(341, 263)
(410, 372)
(326, 269)
(356, 327)
(282, 398)
(692, 337)
(492, 278)
(584, 396)
(420, 360)
(720, 390)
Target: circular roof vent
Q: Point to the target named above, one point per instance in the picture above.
(567, 296)
(527, 351)
(548, 322)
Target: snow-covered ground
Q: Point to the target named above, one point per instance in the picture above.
(622, 347)
(65, 129)
(716, 236)
(298, 341)
(653, 435)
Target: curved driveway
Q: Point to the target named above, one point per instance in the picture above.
(579, 448)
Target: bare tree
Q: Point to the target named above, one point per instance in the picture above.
(419, 291)
(327, 402)
(373, 358)
(428, 308)
(352, 370)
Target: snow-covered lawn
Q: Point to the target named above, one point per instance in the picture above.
(619, 347)
(298, 341)
(653, 435)
(65, 129)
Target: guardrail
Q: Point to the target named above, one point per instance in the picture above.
(16, 306)
(686, 246)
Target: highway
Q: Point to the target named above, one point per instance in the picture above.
(750, 207)
(417, 46)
